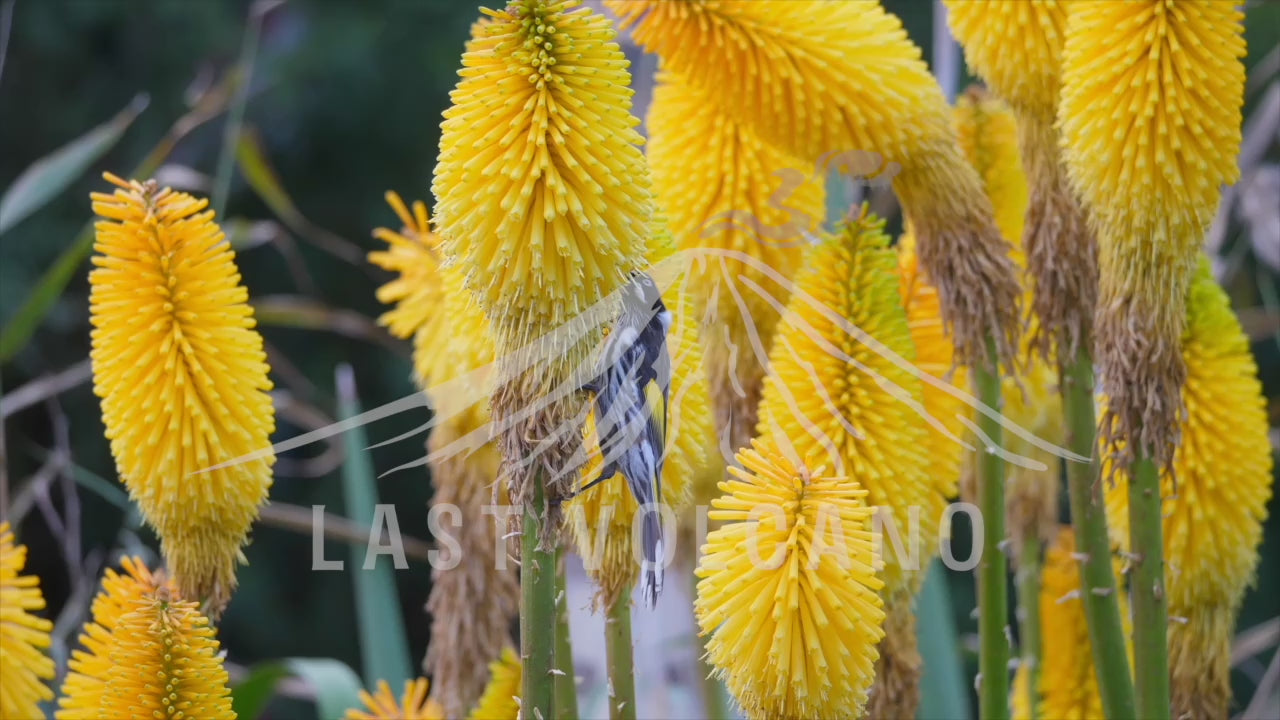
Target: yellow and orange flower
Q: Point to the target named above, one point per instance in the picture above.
(147, 653)
(542, 191)
(25, 669)
(788, 590)
(1151, 98)
(183, 379)
(413, 704)
(501, 699)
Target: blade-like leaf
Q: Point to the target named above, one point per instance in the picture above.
(336, 686)
(266, 183)
(249, 698)
(384, 648)
(942, 689)
(18, 329)
(53, 173)
(34, 307)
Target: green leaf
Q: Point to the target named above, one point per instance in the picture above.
(266, 183)
(336, 687)
(250, 697)
(384, 648)
(942, 689)
(15, 333)
(53, 173)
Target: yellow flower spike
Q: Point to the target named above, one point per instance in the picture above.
(147, 653)
(989, 135)
(543, 199)
(1213, 522)
(840, 403)
(25, 669)
(183, 379)
(451, 346)
(1150, 120)
(726, 190)
(501, 699)
(615, 566)
(1016, 47)
(836, 399)
(823, 79)
(788, 591)
(384, 705)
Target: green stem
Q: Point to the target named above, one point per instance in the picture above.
(537, 612)
(1146, 591)
(617, 640)
(566, 690)
(1089, 518)
(1029, 616)
(993, 581)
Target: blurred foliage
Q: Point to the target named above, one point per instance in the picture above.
(344, 102)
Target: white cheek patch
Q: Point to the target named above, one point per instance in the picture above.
(665, 318)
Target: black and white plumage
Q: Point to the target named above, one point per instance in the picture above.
(631, 389)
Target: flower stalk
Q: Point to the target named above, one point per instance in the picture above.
(1032, 644)
(1146, 591)
(1088, 516)
(618, 649)
(566, 690)
(993, 602)
(537, 611)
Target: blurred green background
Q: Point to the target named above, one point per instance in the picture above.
(342, 102)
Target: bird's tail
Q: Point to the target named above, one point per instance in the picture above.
(654, 554)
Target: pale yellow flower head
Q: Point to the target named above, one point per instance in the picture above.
(988, 135)
(25, 668)
(934, 358)
(452, 343)
(452, 354)
(1150, 120)
(147, 654)
(183, 379)
(795, 553)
